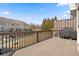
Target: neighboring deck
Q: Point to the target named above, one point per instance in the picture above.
(51, 47)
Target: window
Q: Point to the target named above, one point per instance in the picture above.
(17, 25)
(11, 24)
(2, 29)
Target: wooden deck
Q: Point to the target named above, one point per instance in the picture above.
(51, 47)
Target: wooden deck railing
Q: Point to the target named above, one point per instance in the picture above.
(12, 41)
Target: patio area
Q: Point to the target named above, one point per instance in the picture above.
(51, 47)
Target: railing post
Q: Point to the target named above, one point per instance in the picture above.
(51, 33)
(37, 36)
(58, 33)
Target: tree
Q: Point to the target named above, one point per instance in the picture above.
(47, 24)
(52, 18)
(55, 18)
(32, 25)
(44, 24)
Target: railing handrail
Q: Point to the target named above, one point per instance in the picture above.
(28, 31)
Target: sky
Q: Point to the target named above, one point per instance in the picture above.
(34, 12)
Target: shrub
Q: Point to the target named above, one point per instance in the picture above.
(68, 33)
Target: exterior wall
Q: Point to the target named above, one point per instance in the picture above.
(60, 24)
(73, 6)
(73, 13)
(78, 14)
(78, 27)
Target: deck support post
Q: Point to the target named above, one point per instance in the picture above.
(37, 37)
(51, 33)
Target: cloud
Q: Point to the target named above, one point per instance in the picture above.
(62, 4)
(6, 12)
(28, 17)
(42, 9)
(66, 13)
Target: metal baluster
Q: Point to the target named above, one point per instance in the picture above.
(9, 42)
(17, 41)
(2, 42)
(12, 43)
(24, 40)
(6, 41)
(27, 37)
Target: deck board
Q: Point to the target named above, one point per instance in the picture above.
(51, 47)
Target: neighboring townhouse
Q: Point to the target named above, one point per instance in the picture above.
(60, 24)
(7, 24)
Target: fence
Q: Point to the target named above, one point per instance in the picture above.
(13, 41)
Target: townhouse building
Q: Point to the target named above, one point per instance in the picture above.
(7, 24)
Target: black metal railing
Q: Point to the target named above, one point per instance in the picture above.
(12, 41)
